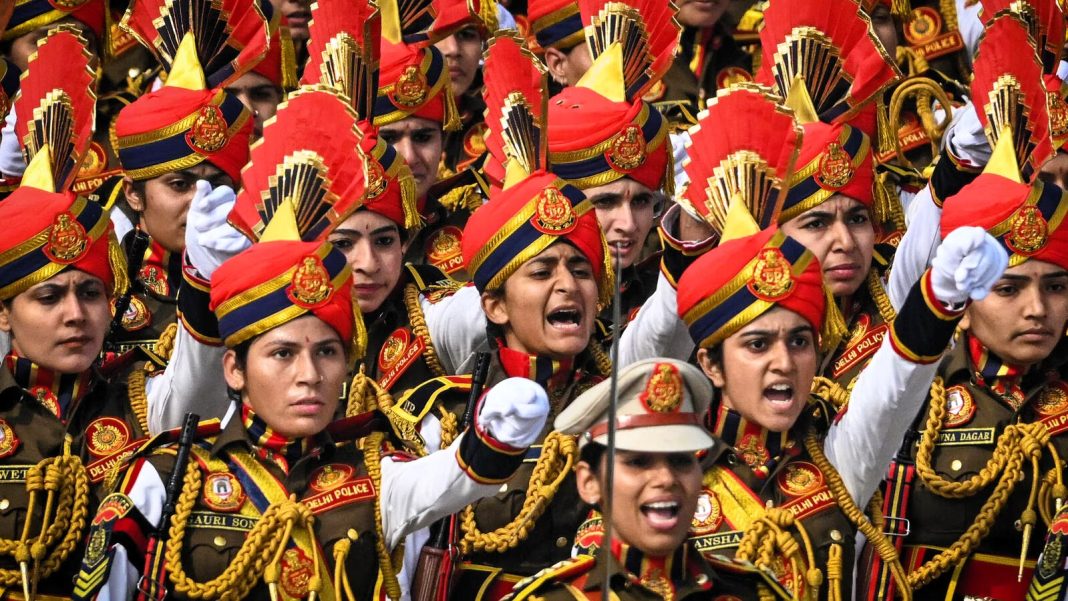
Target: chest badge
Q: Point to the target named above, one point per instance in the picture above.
(9, 443)
(107, 436)
(709, 514)
(960, 407)
(223, 492)
(800, 479)
(331, 476)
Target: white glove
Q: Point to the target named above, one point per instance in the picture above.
(967, 265)
(514, 412)
(209, 239)
(966, 139)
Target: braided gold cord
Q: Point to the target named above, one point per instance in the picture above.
(873, 532)
(165, 345)
(137, 381)
(834, 572)
(418, 323)
(247, 567)
(882, 301)
(600, 359)
(365, 394)
(558, 455)
(925, 90)
(1017, 443)
(767, 534)
(1052, 493)
(342, 588)
(388, 565)
(450, 426)
(136, 384)
(63, 476)
(828, 389)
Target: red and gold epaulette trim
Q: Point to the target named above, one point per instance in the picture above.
(569, 568)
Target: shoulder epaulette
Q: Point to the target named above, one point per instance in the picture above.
(417, 402)
(432, 282)
(465, 190)
(206, 431)
(730, 565)
(569, 568)
(358, 426)
(883, 256)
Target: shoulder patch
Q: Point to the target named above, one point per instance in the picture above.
(568, 568)
(431, 282)
(103, 536)
(417, 402)
(206, 431)
(358, 426)
(744, 569)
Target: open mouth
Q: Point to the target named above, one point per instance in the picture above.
(779, 393)
(566, 319)
(662, 515)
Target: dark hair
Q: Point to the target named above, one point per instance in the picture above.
(715, 353)
(241, 353)
(592, 454)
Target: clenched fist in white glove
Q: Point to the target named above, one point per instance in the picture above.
(514, 411)
(966, 265)
(209, 239)
(966, 139)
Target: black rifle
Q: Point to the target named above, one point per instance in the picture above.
(152, 586)
(437, 559)
(135, 257)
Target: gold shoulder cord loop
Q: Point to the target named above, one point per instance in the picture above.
(365, 395)
(769, 533)
(853, 513)
(418, 323)
(261, 546)
(828, 389)
(558, 455)
(65, 484)
(1017, 443)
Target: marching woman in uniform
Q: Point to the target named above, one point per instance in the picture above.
(607, 141)
(62, 426)
(785, 479)
(755, 307)
(411, 339)
(830, 203)
(280, 501)
(982, 469)
(538, 260)
(186, 131)
(656, 481)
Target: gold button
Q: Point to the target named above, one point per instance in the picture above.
(561, 542)
(4, 504)
(702, 580)
(353, 535)
(219, 541)
(836, 536)
(503, 489)
(956, 465)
